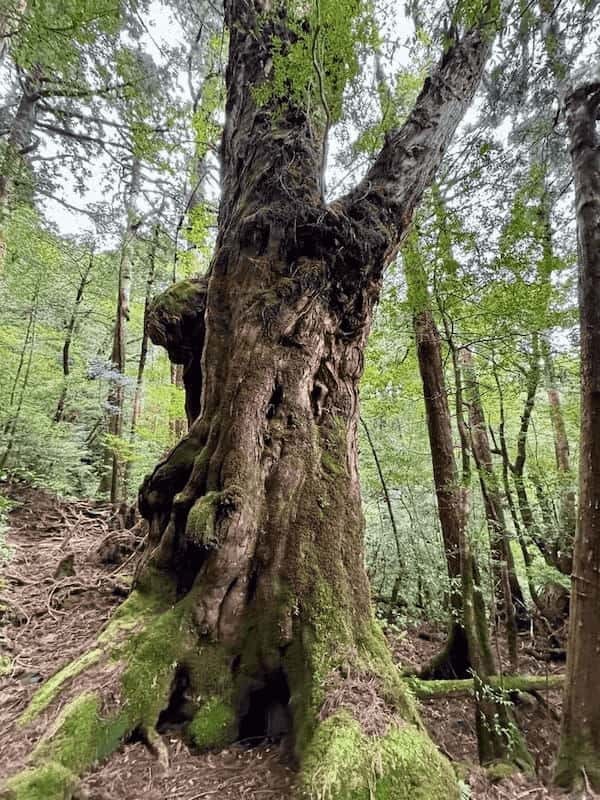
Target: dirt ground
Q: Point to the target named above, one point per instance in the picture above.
(70, 565)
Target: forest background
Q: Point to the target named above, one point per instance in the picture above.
(111, 119)
(115, 195)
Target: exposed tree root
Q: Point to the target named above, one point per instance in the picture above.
(356, 729)
(342, 762)
(118, 687)
(451, 662)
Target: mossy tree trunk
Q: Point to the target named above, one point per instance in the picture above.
(255, 557)
(579, 753)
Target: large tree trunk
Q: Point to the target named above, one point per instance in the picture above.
(255, 554)
(580, 738)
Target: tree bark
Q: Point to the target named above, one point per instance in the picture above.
(255, 554)
(18, 142)
(580, 737)
(176, 322)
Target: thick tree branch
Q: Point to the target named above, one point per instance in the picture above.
(390, 191)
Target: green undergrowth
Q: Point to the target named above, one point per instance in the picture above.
(342, 763)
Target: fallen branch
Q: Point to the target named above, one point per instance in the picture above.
(507, 683)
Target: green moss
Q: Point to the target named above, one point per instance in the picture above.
(48, 782)
(342, 763)
(375, 658)
(151, 658)
(413, 768)
(51, 688)
(213, 725)
(209, 670)
(335, 762)
(331, 464)
(80, 736)
(200, 525)
(504, 684)
(5, 665)
(133, 613)
(179, 298)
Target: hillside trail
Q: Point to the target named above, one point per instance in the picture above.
(70, 563)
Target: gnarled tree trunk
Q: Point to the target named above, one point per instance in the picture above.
(252, 594)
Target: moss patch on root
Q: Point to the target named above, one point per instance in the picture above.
(577, 756)
(51, 688)
(41, 783)
(79, 738)
(144, 646)
(214, 725)
(341, 763)
(150, 658)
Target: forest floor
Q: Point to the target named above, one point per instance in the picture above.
(69, 565)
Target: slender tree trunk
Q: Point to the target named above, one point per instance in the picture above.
(568, 503)
(18, 142)
(580, 737)
(392, 517)
(498, 737)
(468, 645)
(253, 589)
(19, 139)
(112, 481)
(454, 660)
(502, 559)
(177, 423)
(139, 383)
(66, 351)
(523, 545)
(13, 422)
